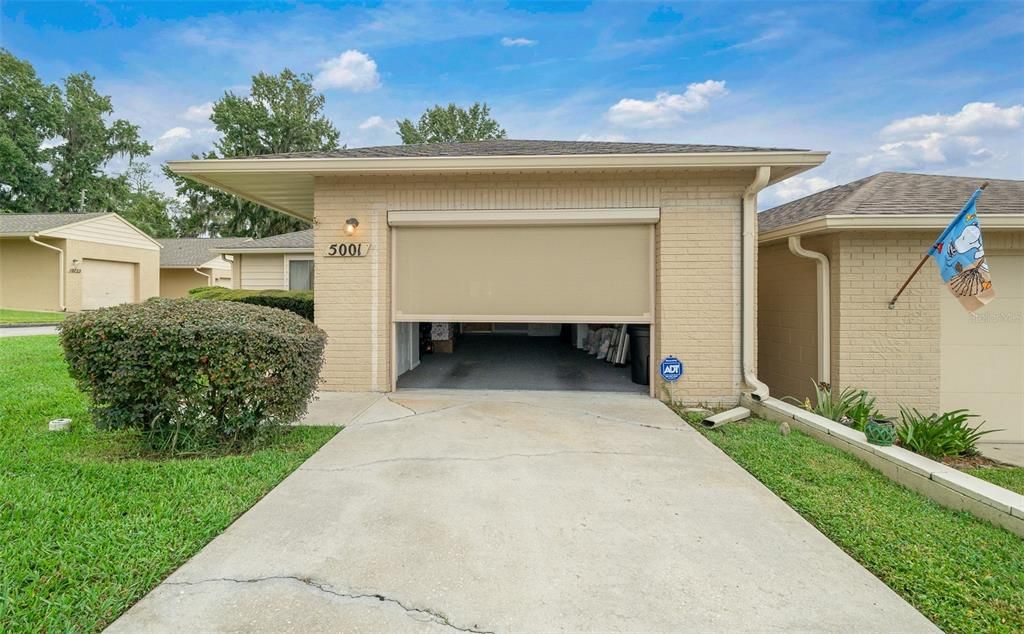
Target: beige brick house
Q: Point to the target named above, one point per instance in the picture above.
(283, 262)
(853, 246)
(187, 263)
(508, 234)
(73, 262)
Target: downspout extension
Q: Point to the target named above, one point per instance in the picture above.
(824, 312)
(758, 390)
(60, 264)
(209, 278)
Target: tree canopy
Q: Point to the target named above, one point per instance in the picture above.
(56, 145)
(451, 124)
(282, 113)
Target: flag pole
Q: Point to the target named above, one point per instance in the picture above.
(920, 265)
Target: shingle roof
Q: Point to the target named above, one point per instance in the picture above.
(898, 193)
(294, 240)
(513, 147)
(33, 223)
(191, 251)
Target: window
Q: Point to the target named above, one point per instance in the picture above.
(300, 275)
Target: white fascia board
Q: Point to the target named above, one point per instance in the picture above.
(489, 163)
(230, 251)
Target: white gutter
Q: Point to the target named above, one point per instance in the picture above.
(824, 309)
(60, 264)
(759, 391)
(209, 278)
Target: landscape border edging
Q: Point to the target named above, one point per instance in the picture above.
(944, 485)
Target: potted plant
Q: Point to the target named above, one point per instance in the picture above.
(880, 431)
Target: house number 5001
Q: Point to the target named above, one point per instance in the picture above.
(348, 249)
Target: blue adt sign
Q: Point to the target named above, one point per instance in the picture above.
(671, 369)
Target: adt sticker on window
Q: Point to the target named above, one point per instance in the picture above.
(671, 369)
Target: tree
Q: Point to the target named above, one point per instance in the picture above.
(29, 117)
(145, 207)
(451, 124)
(89, 144)
(56, 146)
(282, 113)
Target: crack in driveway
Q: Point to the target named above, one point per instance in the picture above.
(432, 615)
(489, 458)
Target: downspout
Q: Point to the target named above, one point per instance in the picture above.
(758, 390)
(824, 307)
(60, 263)
(209, 278)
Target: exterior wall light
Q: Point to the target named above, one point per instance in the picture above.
(350, 226)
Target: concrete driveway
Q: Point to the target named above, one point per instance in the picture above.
(518, 512)
(27, 331)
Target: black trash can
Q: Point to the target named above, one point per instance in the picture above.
(640, 353)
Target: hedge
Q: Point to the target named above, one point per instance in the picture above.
(191, 375)
(298, 302)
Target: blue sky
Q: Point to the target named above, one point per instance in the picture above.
(928, 86)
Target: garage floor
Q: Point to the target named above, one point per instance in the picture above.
(517, 362)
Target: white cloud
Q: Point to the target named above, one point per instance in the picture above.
(932, 150)
(373, 122)
(666, 108)
(198, 113)
(976, 134)
(793, 188)
(974, 118)
(517, 41)
(352, 70)
(171, 138)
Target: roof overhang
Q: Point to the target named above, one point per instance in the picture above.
(888, 222)
(286, 184)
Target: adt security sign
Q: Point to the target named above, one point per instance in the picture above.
(671, 369)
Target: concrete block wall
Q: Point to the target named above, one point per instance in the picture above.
(697, 262)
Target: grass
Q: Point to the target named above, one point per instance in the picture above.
(86, 529)
(964, 574)
(9, 316)
(1011, 478)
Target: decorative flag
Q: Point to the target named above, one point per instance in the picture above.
(961, 258)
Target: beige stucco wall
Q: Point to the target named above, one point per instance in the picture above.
(260, 271)
(697, 252)
(177, 282)
(28, 275)
(146, 260)
(29, 272)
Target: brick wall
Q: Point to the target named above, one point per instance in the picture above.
(697, 268)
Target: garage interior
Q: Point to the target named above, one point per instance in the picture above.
(537, 356)
(522, 299)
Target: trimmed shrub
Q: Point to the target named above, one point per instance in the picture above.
(298, 302)
(194, 375)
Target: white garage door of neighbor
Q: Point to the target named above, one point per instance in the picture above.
(577, 273)
(983, 356)
(107, 283)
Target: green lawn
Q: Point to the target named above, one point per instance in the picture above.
(9, 316)
(1011, 478)
(963, 574)
(85, 528)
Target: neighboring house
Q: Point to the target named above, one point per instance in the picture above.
(927, 352)
(186, 263)
(523, 232)
(75, 262)
(281, 262)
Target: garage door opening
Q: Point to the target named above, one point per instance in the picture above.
(520, 299)
(523, 356)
